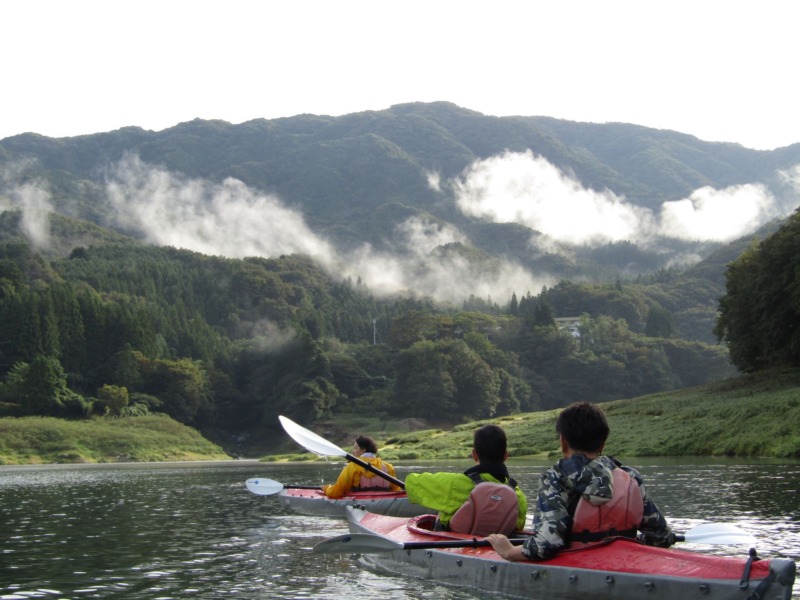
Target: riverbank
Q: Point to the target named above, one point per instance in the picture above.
(754, 415)
(750, 416)
(40, 440)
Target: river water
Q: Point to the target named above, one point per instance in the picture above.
(193, 530)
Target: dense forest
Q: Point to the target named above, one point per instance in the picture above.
(226, 345)
(100, 317)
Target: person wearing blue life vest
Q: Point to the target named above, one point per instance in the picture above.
(482, 500)
(587, 497)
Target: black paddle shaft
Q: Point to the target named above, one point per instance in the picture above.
(473, 543)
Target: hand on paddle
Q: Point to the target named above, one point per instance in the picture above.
(503, 546)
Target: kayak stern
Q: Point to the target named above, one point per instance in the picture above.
(621, 569)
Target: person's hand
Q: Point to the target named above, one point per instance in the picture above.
(505, 548)
(651, 539)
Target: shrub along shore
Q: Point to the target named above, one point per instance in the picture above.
(754, 415)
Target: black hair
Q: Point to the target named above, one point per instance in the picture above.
(367, 444)
(489, 443)
(584, 426)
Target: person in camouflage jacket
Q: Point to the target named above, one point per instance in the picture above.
(582, 473)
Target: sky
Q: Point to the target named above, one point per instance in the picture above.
(722, 70)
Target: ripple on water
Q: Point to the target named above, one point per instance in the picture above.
(182, 531)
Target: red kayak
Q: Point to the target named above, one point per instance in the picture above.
(314, 502)
(619, 568)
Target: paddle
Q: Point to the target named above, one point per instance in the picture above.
(709, 533)
(319, 445)
(268, 487)
(366, 543)
(716, 533)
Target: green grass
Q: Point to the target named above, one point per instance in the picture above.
(750, 416)
(34, 440)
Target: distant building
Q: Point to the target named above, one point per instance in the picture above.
(570, 324)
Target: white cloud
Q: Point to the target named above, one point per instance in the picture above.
(434, 181)
(422, 236)
(227, 219)
(36, 208)
(32, 199)
(266, 336)
(718, 215)
(791, 178)
(527, 189)
(449, 278)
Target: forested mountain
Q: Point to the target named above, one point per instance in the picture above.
(383, 262)
(358, 178)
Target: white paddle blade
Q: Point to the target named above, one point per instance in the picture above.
(263, 487)
(718, 533)
(310, 440)
(356, 543)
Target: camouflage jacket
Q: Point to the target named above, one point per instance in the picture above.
(560, 488)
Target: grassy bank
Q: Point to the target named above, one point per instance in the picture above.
(33, 440)
(754, 416)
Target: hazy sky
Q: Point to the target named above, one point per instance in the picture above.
(723, 70)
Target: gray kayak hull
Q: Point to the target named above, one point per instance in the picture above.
(618, 570)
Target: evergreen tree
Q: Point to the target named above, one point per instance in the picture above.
(543, 314)
(760, 311)
(659, 322)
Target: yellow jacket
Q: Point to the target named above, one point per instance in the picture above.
(354, 477)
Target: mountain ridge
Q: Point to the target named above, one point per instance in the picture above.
(372, 179)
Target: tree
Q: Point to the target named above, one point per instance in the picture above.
(412, 327)
(476, 384)
(41, 389)
(760, 311)
(423, 386)
(445, 379)
(183, 387)
(114, 397)
(659, 322)
(543, 315)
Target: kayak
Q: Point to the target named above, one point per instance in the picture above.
(619, 568)
(313, 502)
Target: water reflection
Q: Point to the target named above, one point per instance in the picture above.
(193, 531)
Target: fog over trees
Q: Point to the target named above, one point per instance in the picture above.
(422, 261)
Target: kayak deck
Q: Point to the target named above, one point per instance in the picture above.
(617, 569)
(314, 502)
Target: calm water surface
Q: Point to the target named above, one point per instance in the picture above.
(194, 531)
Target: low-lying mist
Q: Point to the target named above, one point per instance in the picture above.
(233, 220)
